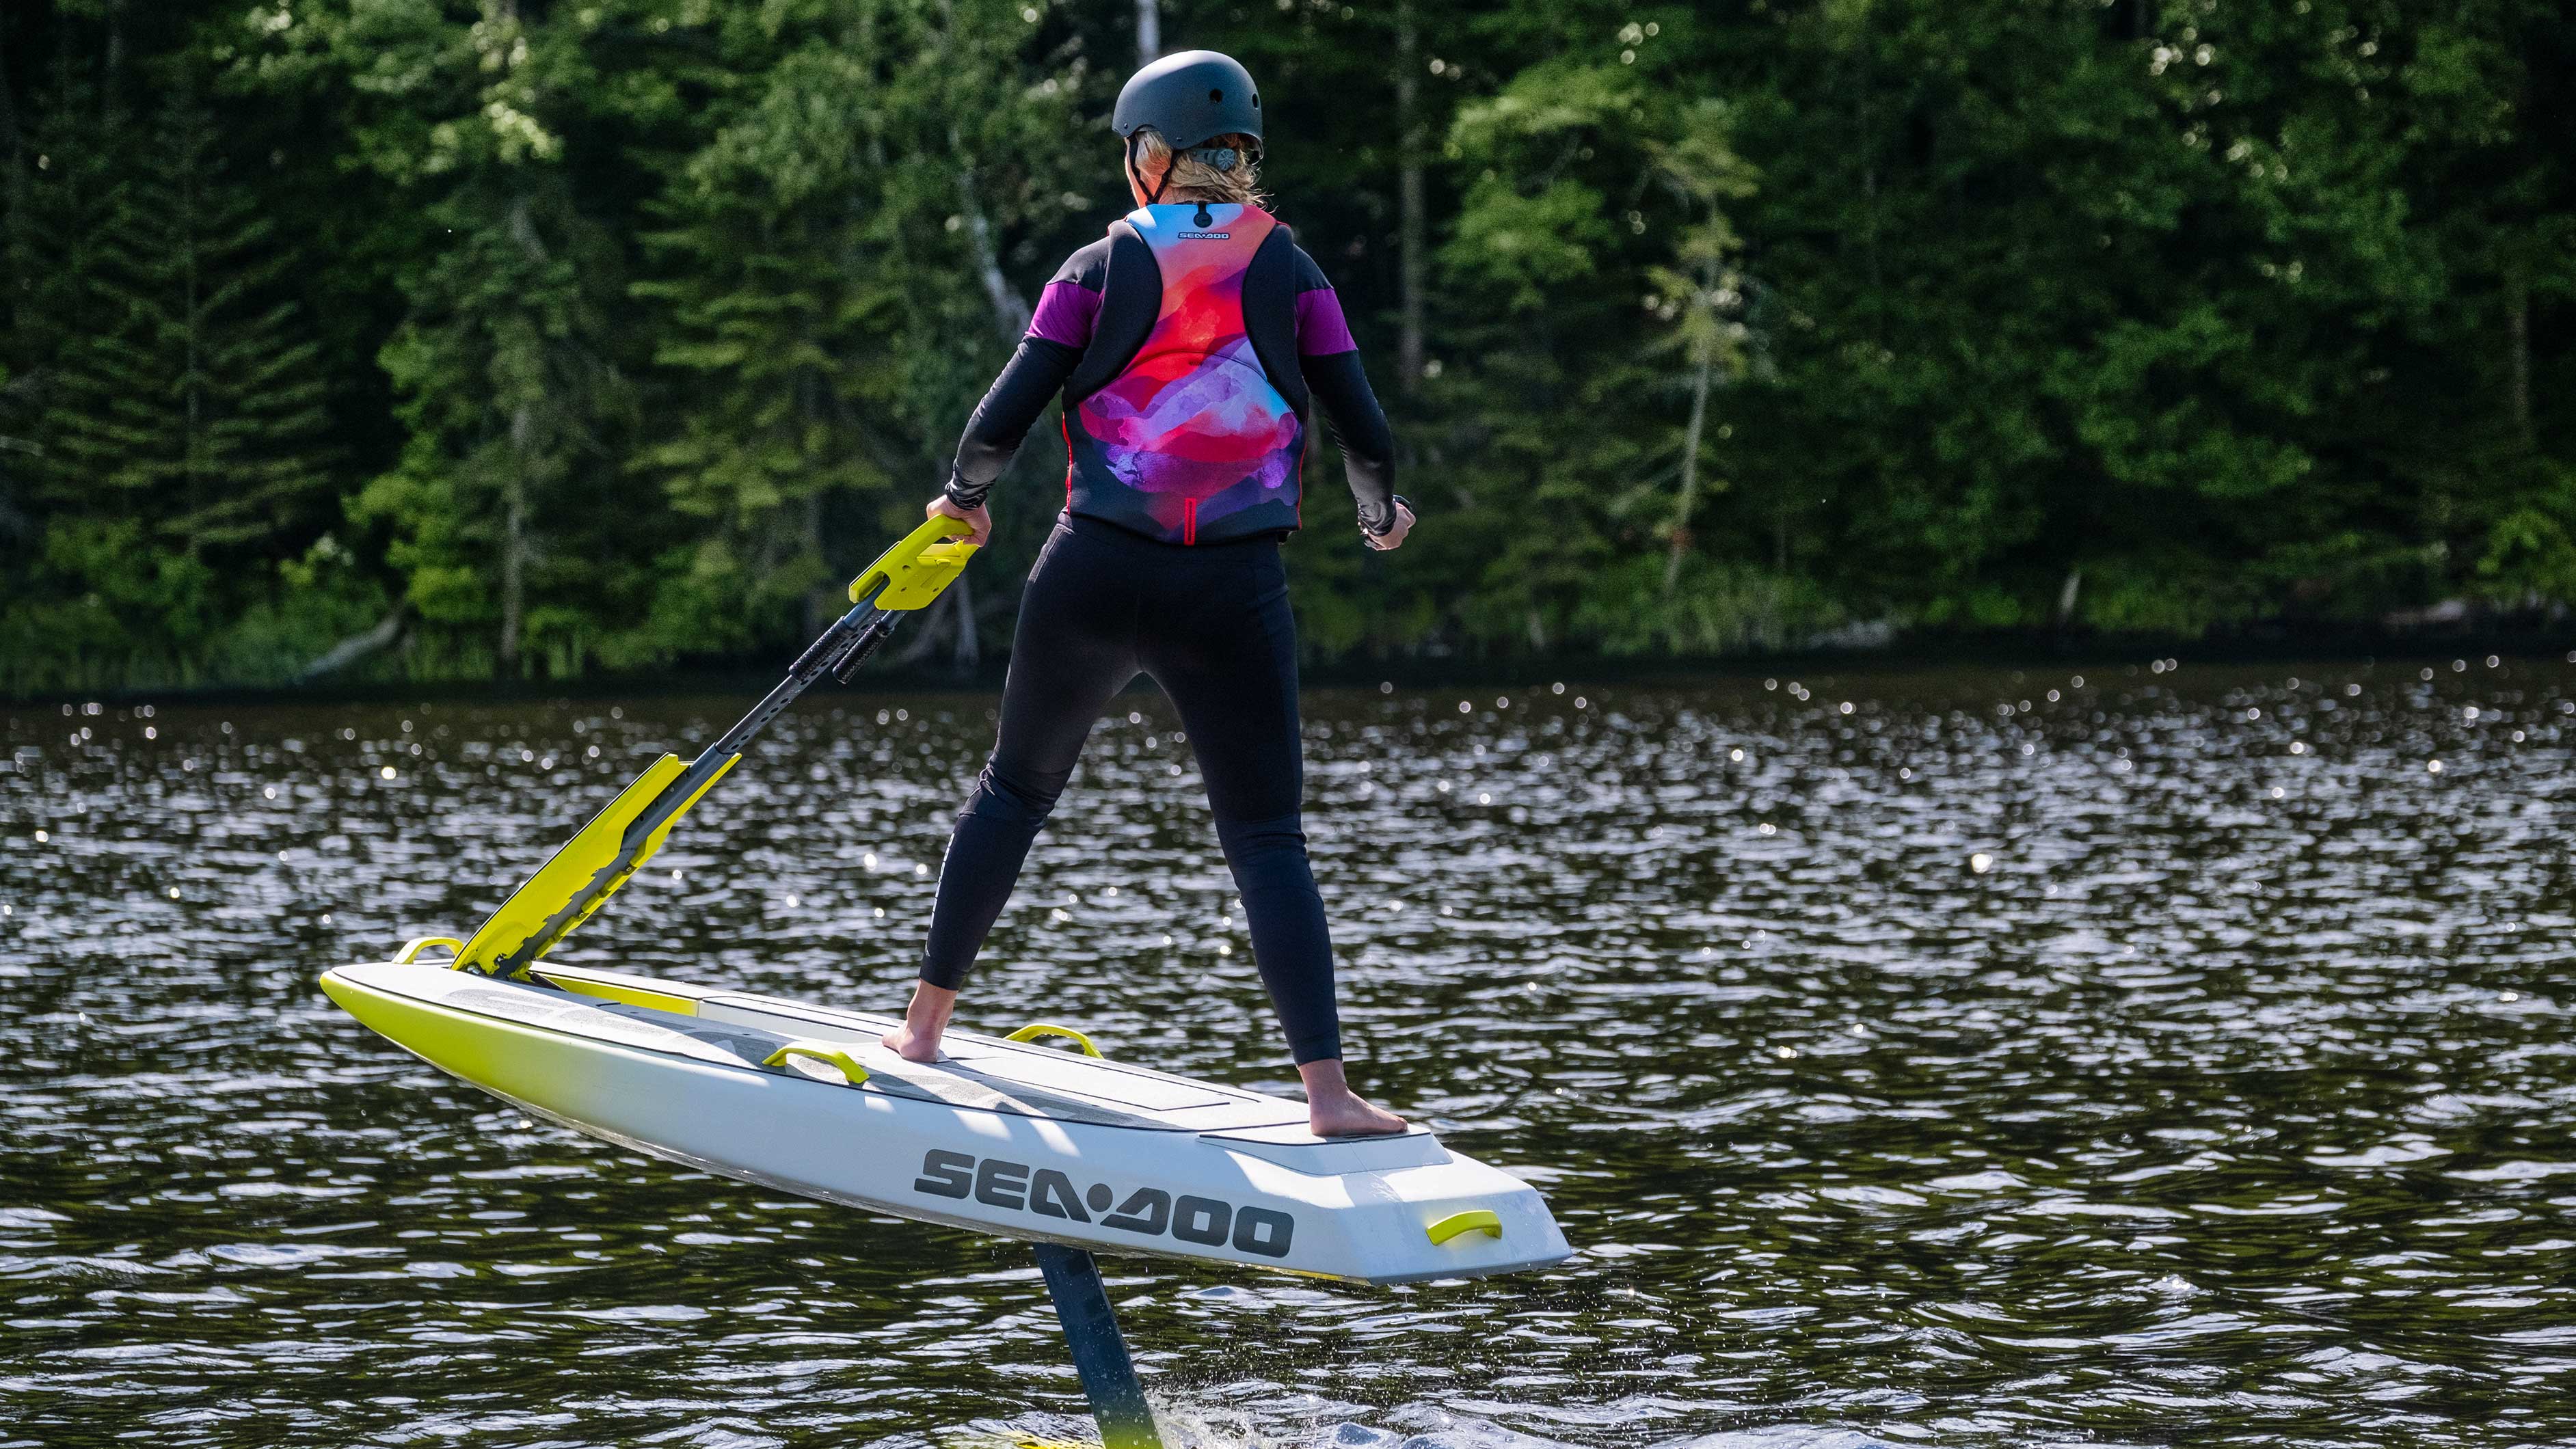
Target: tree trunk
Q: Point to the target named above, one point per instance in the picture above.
(970, 645)
(1149, 32)
(1689, 500)
(814, 406)
(12, 156)
(2517, 302)
(13, 225)
(192, 383)
(1868, 177)
(827, 595)
(514, 543)
(1411, 224)
(356, 647)
(108, 89)
(1010, 309)
(515, 547)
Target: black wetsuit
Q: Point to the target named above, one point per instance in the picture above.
(1142, 575)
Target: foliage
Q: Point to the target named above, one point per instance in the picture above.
(556, 337)
(177, 445)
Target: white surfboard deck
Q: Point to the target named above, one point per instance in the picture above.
(1022, 1140)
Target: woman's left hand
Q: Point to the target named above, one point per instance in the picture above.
(1393, 538)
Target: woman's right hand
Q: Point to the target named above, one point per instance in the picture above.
(978, 518)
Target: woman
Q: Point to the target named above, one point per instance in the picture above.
(1186, 345)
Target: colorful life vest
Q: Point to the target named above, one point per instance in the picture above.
(1188, 437)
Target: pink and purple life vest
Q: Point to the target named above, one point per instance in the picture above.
(1191, 439)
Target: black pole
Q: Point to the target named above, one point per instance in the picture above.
(1099, 1352)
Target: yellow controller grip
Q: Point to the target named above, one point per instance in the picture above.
(911, 574)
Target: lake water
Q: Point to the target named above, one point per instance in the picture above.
(1970, 1058)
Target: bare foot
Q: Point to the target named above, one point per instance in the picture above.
(905, 1043)
(1334, 1110)
(917, 1040)
(1351, 1116)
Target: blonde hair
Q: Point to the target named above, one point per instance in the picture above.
(1191, 179)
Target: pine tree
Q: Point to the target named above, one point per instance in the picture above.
(779, 349)
(241, 365)
(182, 427)
(17, 287)
(509, 520)
(1701, 293)
(830, 269)
(506, 385)
(89, 598)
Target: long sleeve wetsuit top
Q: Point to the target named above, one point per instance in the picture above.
(1186, 346)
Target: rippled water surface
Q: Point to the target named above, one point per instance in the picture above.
(1971, 1058)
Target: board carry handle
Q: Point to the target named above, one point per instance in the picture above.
(412, 948)
(1036, 1029)
(1480, 1220)
(821, 1051)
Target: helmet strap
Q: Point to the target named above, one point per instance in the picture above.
(1136, 177)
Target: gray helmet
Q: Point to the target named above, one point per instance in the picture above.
(1190, 97)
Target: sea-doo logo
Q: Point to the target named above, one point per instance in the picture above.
(1207, 236)
(1147, 1212)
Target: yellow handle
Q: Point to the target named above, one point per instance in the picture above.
(413, 947)
(1036, 1029)
(821, 1051)
(1480, 1220)
(915, 570)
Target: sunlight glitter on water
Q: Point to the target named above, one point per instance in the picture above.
(2203, 1111)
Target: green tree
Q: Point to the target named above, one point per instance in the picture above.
(2489, 179)
(174, 440)
(1600, 188)
(832, 267)
(505, 504)
(194, 393)
(763, 334)
(614, 332)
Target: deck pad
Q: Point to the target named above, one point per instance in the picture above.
(604, 1021)
(981, 1073)
(1049, 1080)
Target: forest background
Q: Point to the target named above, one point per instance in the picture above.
(463, 339)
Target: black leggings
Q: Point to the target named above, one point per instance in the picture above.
(1211, 625)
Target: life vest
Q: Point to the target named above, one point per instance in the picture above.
(1185, 423)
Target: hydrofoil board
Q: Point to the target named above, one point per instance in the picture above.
(1010, 1137)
